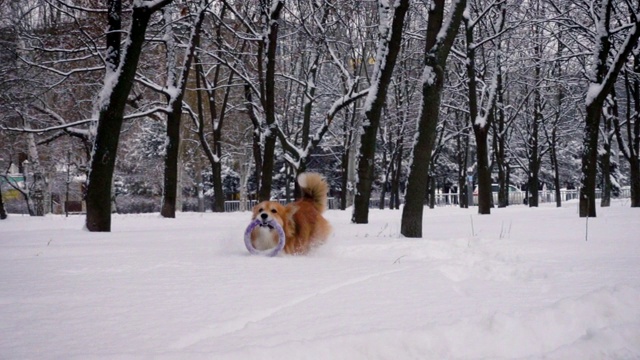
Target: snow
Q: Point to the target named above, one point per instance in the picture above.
(593, 92)
(173, 93)
(444, 28)
(110, 81)
(147, 3)
(386, 15)
(519, 283)
(428, 76)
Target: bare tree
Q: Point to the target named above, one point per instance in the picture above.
(482, 114)
(630, 145)
(602, 80)
(258, 72)
(391, 26)
(439, 41)
(212, 87)
(111, 104)
(322, 31)
(177, 83)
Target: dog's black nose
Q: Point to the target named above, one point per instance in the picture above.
(263, 216)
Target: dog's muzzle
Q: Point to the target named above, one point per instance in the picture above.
(265, 221)
(267, 225)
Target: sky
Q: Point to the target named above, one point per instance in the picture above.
(521, 283)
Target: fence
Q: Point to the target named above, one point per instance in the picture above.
(441, 199)
(235, 205)
(519, 197)
(451, 199)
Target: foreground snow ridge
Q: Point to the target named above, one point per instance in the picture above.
(519, 284)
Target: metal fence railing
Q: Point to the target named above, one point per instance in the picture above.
(247, 205)
(446, 199)
(441, 199)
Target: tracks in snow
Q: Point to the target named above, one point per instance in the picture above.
(240, 323)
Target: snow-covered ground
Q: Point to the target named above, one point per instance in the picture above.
(518, 284)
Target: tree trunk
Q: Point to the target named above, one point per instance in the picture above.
(436, 54)
(534, 168)
(556, 167)
(432, 192)
(631, 148)
(394, 201)
(634, 180)
(218, 188)
(553, 144)
(605, 78)
(266, 176)
(344, 180)
(605, 156)
(480, 128)
(390, 46)
(462, 144)
(267, 168)
(605, 166)
(37, 190)
(347, 165)
(500, 146)
(534, 142)
(633, 136)
(213, 153)
(214, 158)
(3, 211)
(385, 178)
(589, 166)
(111, 107)
(200, 186)
(172, 157)
(485, 191)
(171, 161)
(256, 148)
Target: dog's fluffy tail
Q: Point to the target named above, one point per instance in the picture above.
(314, 188)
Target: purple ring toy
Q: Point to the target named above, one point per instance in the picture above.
(271, 252)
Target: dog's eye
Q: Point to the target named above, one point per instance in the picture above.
(273, 211)
(261, 210)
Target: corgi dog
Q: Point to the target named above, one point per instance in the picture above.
(302, 222)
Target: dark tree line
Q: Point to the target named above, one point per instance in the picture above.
(400, 94)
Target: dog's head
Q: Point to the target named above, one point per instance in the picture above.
(269, 210)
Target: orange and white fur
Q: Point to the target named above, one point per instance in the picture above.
(302, 222)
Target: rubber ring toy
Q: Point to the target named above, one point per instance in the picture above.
(270, 252)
